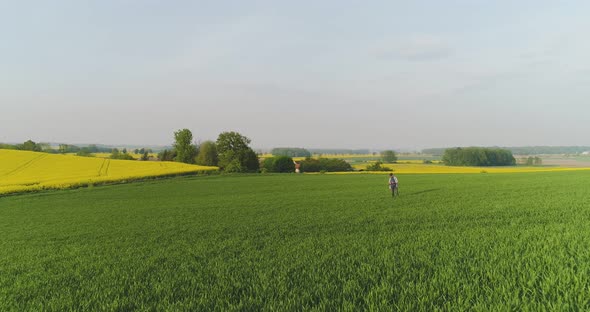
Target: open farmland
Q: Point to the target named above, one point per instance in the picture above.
(514, 241)
(30, 171)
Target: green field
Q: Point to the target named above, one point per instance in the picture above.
(296, 242)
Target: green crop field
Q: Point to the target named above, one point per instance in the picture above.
(515, 241)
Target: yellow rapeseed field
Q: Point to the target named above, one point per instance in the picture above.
(28, 171)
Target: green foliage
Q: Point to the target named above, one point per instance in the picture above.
(167, 155)
(377, 166)
(481, 242)
(84, 152)
(145, 156)
(526, 150)
(388, 156)
(290, 151)
(324, 164)
(279, 164)
(478, 156)
(235, 155)
(8, 146)
(532, 161)
(332, 151)
(66, 148)
(185, 149)
(30, 146)
(116, 154)
(207, 154)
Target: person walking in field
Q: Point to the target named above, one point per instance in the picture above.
(393, 185)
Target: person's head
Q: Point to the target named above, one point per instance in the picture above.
(391, 174)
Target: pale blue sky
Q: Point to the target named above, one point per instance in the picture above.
(349, 74)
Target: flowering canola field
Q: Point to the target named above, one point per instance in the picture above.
(29, 171)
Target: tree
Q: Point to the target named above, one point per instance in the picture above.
(376, 166)
(324, 164)
(234, 153)
(30, 146)
(119, 155)
(290, 151)
(185, 150)
(279, 164)
(167, 155)
(388, 156)
(207, 154)
(478, 156)
(85, 152)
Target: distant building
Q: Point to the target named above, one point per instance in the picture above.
(586, 153)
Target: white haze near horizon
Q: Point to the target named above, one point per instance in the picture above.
(315, 74)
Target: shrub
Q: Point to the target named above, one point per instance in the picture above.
(477, 156)
(376, 166)
(324, 164)
(290, 151)
(279, 164)
(388, 156)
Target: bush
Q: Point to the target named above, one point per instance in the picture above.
(279, 164)
(388, 156)
(290, 151)
(167, 155)
(207, 154)
(478, 156)
(376, 166)
(84, 152)
(324, 164)
(121, 155)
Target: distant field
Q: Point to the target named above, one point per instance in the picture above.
(28, 171)
(454, 242)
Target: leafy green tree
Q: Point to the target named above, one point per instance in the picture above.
(478, 156)
(85, 152)
(185, 149)
(167, 155)
(325, 164)
(235, 155)
(118, 155)
(284, 164)
(388, 156)
(290, 151)
(377, 166)
(30, 146)
(279, 164)
(207, 154)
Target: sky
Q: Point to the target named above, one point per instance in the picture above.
(314, 74)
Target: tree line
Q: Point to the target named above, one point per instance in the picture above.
(525, 150)
(478, 156)
(231, 152)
